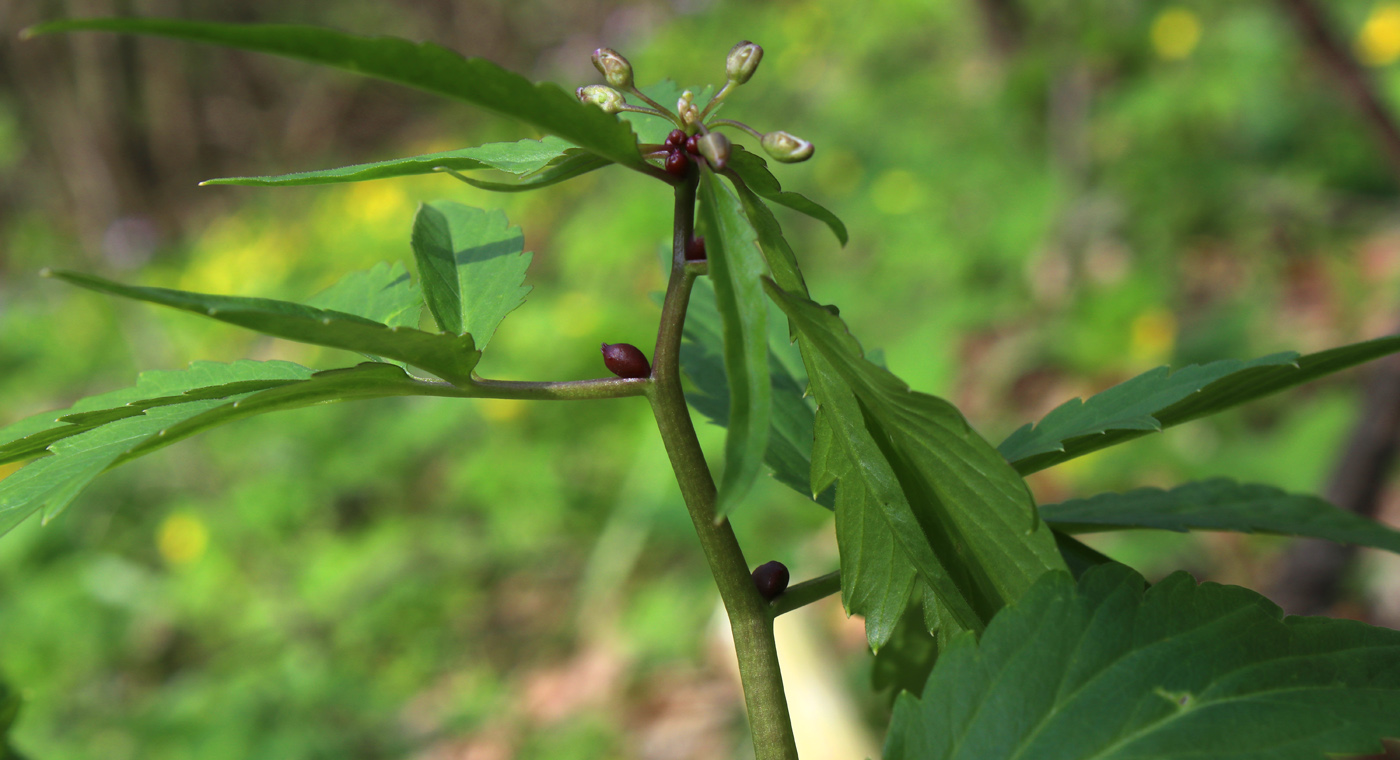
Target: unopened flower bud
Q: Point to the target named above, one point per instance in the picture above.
(614, 68)
(787, 148)
(743, 61)
(603, 96)
(715, 148)
(685, 102)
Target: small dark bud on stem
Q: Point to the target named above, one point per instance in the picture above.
(676, 163)
(676, 139)
(771, 578)
(626, 360)
(692, 144)
(695, 249)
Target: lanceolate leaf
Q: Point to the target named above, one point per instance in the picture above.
(1106, 671)
(451, 357)
(422, 65)
(776, 250)
(789, 452)
(521, 158)
(735, 268)
(472, 265)
(1160, 399)
(576, 164)
(160, 399)
(384, 293)
(1220, 504)
(102, 432)
(754, 171)
(972, 508)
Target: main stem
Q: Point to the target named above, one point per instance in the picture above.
(749, 616)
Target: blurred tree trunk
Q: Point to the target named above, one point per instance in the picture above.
(1311, 573)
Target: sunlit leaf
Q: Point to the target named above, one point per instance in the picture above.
(735, 268)
(1160, 399)
(451, 357)
(472, 264)
(523, 157)
(422, 65)
(384, 293)
(77, 456)
(570, 166)
(1107, 671)
(1220, 504)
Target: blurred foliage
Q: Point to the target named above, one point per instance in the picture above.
(1121, 184)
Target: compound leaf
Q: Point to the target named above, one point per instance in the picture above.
(451, 357)
(960, 514)
(1102, 670)
(472, 264)
(383, 293)
(1161, 398)
(736, 265)
(1220, 504)
(425, 66)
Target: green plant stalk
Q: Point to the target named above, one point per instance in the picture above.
(749, 617)
(800, 595)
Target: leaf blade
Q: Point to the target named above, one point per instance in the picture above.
(735, 268)
(1104, 669)
(754, 171)
(472, 264)
(450, 357)
(1220, 504)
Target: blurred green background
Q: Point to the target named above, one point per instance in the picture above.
(1038, 210)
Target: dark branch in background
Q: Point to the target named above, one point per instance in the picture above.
(1005, 25)
(1312, 571)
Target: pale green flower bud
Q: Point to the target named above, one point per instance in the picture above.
(743, 62)
(715, 148)
(787, 148)
(614, 68)
(603, 96)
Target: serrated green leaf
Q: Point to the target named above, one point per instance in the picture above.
(363, 381)
(422, 65)
(1160, 399)
(78, 456)
(953, 496)
(1220, 504)
(790, 425)
(571, 166)
(735, 268)
(754, 171)
(472, 264)
(781, 260)
(1106, 671)
(383, 293)
(451, 357)
(521, 158)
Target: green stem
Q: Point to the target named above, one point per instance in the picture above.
(569, 390)
(806, 592)
(749, 617)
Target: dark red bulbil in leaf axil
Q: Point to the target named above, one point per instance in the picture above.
(626, 360)
(695, 249)
(676, 163)
(771, 578)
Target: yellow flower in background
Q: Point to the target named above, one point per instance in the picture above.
(1378, 44)
(1175, 32)
(502, 409)
(1153, 337)
(182, 539)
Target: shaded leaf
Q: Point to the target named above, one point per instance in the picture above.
(1160, 399)
(450, 357)
(472, 264)
(735, 268)
(954, 497)
(1106, 671)
(789, 452)
(754, 171)
(425, 66)
(523, 157)
(1220, 504)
